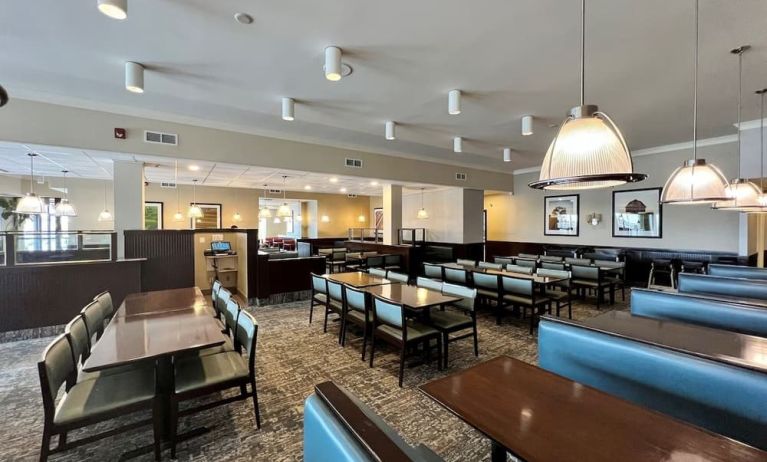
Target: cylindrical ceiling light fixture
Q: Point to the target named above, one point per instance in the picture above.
(454, 102)
(527, 125)
(115, 9)
(744, 195)
(507, 154)
(457, 144)
(589, 150)
(333, 70)
(134, 77)
(30, 204)
(390, 130)
(288, 109)
(695, 182)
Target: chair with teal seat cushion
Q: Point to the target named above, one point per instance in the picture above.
(319, 293)
(550, 258)
(590, 278)
(107, 307)
(398, 277)
(357, 312)
(616, 275)
(427, 283)
(335, 304)
(526, 262)
(518, 292)
(520, 269)
(390, 325)
(462, 316)
(229, 317)
(559, 266)
(94, 320)
(457, 276)
(194, 377)
(432, 271)
(563, 296)
(488, 265)
(222, 299)
(88, 402)
(214, 289)
(488, 288)
(503, 261)
(377, 272)
(466, 262)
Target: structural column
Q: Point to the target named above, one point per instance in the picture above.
(129, 200)
(392, 212)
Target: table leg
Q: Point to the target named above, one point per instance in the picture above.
(497, 452)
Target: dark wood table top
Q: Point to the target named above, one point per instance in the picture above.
(541, 416)
(159, 301)
(542, 280)
(129, 339)
(416, 298)
(357, 279)
(747, 351)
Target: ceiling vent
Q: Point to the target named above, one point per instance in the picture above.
(275, 191)
(460, 176)
(354, 163)
(351, 196)
(160, 138)
(168, 184)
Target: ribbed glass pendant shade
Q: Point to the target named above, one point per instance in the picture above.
(65, 209)
(30, 204)
(588, 152)
(744, 197)
(695, 182)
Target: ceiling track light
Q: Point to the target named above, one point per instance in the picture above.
(457, 144)
(335, 70)
(695, 182)
(744, 195)
(507, 154)
(134, 77)
(288, 109)
(588, 151)
(115, 9)
(527, 125)
(454, 102)
(390, 130)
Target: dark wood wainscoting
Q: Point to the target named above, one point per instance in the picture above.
(317, 243)
(48, 295)
(285, 275)
(169, 257)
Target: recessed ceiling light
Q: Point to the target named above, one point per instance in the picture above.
(194, 168)
(343, 190)
(115, 9)
(308, 187)
(333, 179)
(373, 183)
(134, 77)
(243, 18)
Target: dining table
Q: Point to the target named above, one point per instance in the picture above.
(537, 279)
(537, 415)
(151, 328)
(418, 299)
(357, 279)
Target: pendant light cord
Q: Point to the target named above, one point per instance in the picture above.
(695, 89)
(761, 136)
(740, 101)
(32, 173)
(583, 52)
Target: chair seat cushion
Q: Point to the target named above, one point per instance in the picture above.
(335, 306)
(415, 330)
(105, 394)
(487, 292)
(322, 298)
(525, 300)
(358, 316)
(194, 373)
(449, 320)
(226, 347)
(557, 294)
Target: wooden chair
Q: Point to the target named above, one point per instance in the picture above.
(561, 297)
(488, 265)
(319, 293)
(433, 271)
(457, 276)
(519, 292)
(357, 312)
(335, 304)
(397, 277)
(488, 288)
(590, 278)
(464, 316)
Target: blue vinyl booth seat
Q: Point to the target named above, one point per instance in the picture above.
(746, 319)
(691, 283)
(338, 427)
(735, 271)
(725, 399)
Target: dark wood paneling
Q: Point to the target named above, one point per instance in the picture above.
(286, 275)
(472, 251)
(48, 295)
(169, 254)
(410, 256)
(321, 242)
(505, 248)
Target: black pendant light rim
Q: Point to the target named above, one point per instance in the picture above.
(3, 96)
(624, 177)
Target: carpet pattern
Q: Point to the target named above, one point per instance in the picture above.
(293, 356)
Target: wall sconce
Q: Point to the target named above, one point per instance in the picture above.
(237, 217)
(594, 219)
(325, 219)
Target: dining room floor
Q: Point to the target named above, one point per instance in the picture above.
(293, 356)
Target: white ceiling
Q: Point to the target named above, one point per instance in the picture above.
(98, 165)
(510, 58)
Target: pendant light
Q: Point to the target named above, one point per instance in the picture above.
(264, 211)
(64, 208)
(744, 195)
(277, 220)
(237, 217)
(695, 182)
(284, 210)
(588, 151)
(105, 214)
(194, 210)
(178, 216)
(422, 214)
(762, 196)
(31, 204)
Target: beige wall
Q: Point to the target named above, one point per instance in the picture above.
(519, 217)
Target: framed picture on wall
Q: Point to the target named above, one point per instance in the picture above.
(210, 219)
(153, 215)
(638, 213)
(560, 215)
(378, 215)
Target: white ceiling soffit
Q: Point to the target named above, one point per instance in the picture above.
(202, 65)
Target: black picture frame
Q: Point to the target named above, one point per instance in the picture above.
(211, 205)
(546, 220)
(629, 193)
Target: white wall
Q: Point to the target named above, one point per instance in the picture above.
(520, 217)
(455, 215)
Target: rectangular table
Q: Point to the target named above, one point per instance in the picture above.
(540, 416)
(357, 279)
(415, 298)
(141, 303)
(742, 350)
(538, 280)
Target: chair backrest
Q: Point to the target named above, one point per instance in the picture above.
(556, 274)
(246, 336)
(105, 299)
(503, 261)
(525, 262)
(77, 334)
(338, 255)
(578, 261)
(379, 272)
(520, 269)
(585, 272)
(319, 284)
(392, 260)
(369, 254)
(356, 299)
(94, 319)
(468, 296)
(398, 277)
(516, 286)
(324, 252)
(550, 258)
(608, 263)
(734, 271)
(55, 368)
(458, 276)
(336, 291)
(214, 288)
(427, 283)
(467, 262)
(387, 312)
(231, 313)
(553, 266)
(432, 271)
(374, 261)
(486, 281)
(528, 256)
(223, 298)
(488, 265)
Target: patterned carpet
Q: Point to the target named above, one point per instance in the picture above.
(292, 357)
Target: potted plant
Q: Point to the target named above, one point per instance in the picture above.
(13, 221)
